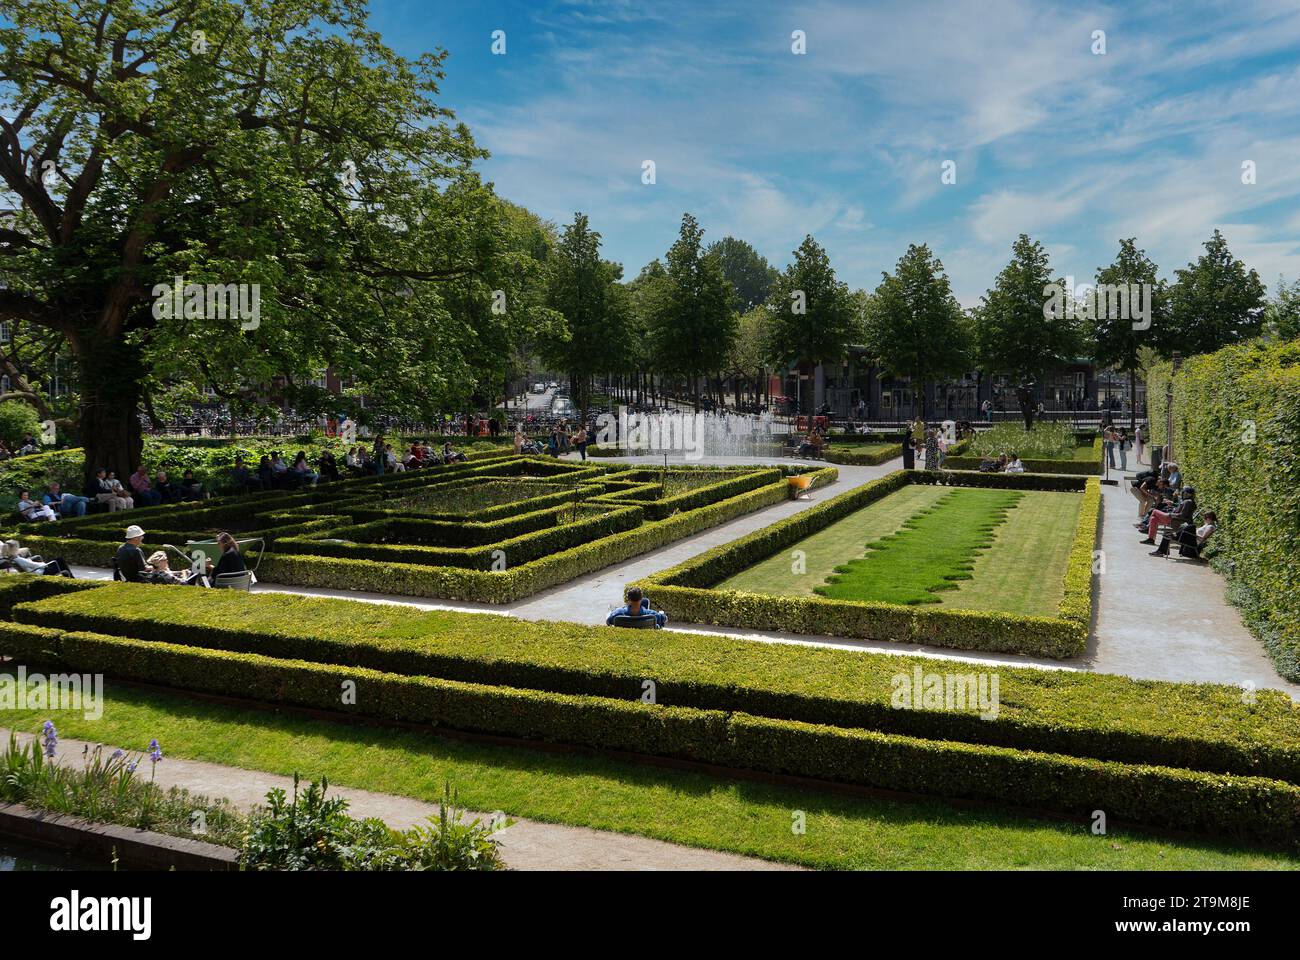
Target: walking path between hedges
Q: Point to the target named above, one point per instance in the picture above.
(525, 844)
(1153, 619)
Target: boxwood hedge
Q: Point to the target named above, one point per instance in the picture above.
(1203, 727)
(1254, 808)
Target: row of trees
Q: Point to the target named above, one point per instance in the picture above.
(723, 311)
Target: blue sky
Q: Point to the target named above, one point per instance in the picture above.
(847, 141)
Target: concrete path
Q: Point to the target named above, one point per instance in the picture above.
(1166, 618)
(525, 844)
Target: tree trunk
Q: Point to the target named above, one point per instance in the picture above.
(110, 376)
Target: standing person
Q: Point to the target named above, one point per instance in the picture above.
(1139, 440)
(909, 449)
(931, 450)
(1108, 444)
(377, 455)
(1122, 440)
(580, 441)
(519, 439)
(987, 407)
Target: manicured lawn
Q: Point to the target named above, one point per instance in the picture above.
(1024, 571)
(843, 832)
(935, 548)
(829, 548)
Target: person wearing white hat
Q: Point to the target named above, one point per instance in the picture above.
(129, 561)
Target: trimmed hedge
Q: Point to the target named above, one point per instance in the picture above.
(1236, 416)
(684, 591)
(871, 457)
(1106, 717)
(522, 580)
(1253, 808)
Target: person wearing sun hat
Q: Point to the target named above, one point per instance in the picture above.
(129, 560)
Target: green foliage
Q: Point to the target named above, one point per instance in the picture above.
(1012, 334)
(747, 270)
(313, 831)
(861, 455)
(596, 310)
(1113, 340)
(913, 325)
(1236, 416)
(1046, 441)
(814, 316)
(18, 420)
(696, 326)
(1216, 301)
(1282, 313)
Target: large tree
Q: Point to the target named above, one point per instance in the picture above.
(814, 315)
(1116, 336)
(748, 271)
(914, 326)
(1015, 333)
(1215, 301)
(584, 290)
(696, 324)
(279, 146)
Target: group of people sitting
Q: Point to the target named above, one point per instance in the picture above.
(106, 491)
(131, 565)
(275, 473)
(383, 459)
(1165, 503)
(1005, 463)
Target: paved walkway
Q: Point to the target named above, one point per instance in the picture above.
(525, 844)
(1167, 619)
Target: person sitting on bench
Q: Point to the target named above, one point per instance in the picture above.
(12, 558)
(1191, 540)
(637, 607)
(1183, 512)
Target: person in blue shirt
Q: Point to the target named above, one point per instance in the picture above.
(636, 607)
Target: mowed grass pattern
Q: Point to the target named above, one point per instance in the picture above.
(827, 549)
(1024, 571)
(935, 548)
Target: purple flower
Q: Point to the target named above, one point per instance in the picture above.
(130, 767)
(116, 753)
(155, 751)
(50, 738)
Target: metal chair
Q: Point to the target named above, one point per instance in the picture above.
(234, 581)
